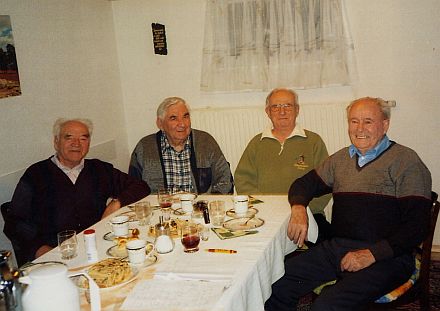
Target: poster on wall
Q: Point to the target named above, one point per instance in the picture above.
(9, 80)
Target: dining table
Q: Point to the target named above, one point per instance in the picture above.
(201, 280)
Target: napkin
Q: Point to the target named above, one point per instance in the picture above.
(172, 276)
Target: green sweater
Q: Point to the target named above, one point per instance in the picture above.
(267, 167)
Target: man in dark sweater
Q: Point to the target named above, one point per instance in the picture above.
(65, 192)
(382, 199)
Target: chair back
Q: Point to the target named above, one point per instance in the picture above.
(427, 245)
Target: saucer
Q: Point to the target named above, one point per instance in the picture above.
(116, 251)
(250, 212)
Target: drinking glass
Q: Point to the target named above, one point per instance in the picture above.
(190, 237)
(68, 244)
(217, 213)
(143, 212)
(164, 198)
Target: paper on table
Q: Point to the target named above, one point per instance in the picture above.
(172, 295)
(312, 233)
(169, 276)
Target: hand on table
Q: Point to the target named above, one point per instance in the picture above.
(113, 206)
(357, 260)
(298, 225)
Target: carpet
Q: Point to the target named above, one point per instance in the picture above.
(434, 283)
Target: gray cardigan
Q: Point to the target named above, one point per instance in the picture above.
(209, 168)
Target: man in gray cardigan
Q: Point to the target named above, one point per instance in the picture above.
(179, 158)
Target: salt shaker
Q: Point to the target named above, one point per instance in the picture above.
(90, 243)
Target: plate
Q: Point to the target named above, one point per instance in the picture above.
(131, 216)
(250, 212)
(246, 223)
(109, 236)
(82, 282)
(116, 251)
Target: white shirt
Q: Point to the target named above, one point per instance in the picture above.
(72, 173)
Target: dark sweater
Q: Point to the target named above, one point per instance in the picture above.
(385, 203)
(46, 201)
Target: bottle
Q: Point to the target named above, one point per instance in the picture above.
(90, 244)
(10, 289)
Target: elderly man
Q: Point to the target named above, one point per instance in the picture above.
(66, 191)
(282, 153)
(382, 198)
(179, 158)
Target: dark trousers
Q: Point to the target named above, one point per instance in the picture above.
(353, 290)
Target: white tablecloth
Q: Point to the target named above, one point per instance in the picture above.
(248, 274)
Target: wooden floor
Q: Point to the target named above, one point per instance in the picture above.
(435, 255)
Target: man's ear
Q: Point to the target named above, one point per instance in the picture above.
(55, 143)
(159, 123)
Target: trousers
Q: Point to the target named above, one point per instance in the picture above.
(352, 291)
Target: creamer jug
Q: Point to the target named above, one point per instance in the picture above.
(50, 289)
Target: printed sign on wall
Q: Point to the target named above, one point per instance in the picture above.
(159, 39)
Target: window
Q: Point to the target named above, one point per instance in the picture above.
(262, 44)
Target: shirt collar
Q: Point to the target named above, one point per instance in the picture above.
(64, 168)
(297, 131)
(166, 144)
(371, 154)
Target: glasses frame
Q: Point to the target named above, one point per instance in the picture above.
(277, 107)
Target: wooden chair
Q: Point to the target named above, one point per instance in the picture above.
(420, 290)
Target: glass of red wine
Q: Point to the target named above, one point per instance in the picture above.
(190, 237)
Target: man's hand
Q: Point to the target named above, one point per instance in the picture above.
(298, 225)
(42, 250)
(357, 260)
(113, 206)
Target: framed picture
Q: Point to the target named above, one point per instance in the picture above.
(9, 79)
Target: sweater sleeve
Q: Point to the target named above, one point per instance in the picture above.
(128, 189)
(317, 205)
(20, 226)
(305, 188)
(246, 172)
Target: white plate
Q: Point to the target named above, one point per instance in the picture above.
(109, 236)
(241, 224)
(81, 281)
(250, 212)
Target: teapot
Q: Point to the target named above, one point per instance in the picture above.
(10, 290)
(50, 287)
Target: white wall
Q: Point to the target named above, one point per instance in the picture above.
(397, 44)
(68, 67)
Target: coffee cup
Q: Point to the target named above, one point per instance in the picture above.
(119, 225)
(241, 204)
(186, 202)
(137, 251)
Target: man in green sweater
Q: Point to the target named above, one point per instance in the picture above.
(282, 153)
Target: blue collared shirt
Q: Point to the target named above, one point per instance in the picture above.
(371, 154)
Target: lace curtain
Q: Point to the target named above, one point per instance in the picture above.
(263, 44)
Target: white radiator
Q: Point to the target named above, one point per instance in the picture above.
(233, 127)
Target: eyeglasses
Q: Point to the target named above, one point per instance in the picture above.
(276, 108)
